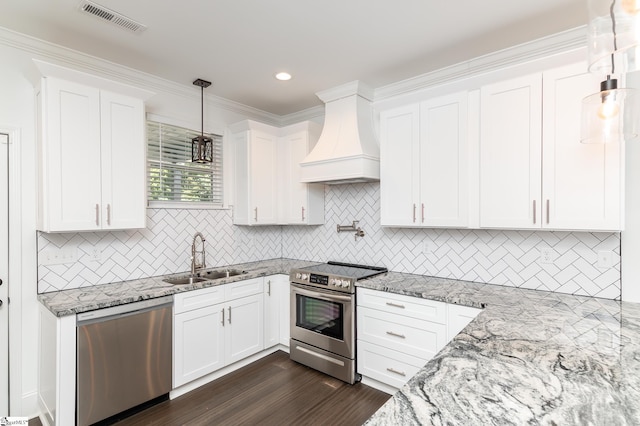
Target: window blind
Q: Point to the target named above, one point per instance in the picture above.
(172, 176)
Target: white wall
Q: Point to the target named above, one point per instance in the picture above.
(631, 234)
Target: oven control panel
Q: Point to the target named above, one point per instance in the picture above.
(343, 284)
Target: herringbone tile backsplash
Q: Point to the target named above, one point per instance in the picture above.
(509, 258)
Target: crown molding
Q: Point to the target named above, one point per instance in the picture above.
(544, 47)
(565, 41)
(65, 57)
(315, 113)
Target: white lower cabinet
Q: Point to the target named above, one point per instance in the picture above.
(398, 334)
(276, 310)
(216, 326)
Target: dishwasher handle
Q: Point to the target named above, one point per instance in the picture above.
(121, 311)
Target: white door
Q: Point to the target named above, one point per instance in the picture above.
(264, 178)
(72, 156)
(123, 166)
(244, 334)
(4, 274)
(443, 161)
(581, 182)
(510, 153)
(399, 166)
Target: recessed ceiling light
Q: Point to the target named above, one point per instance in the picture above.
(283, 76)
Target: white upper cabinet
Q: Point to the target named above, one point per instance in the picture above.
(267, 175)
(534, 172)
(300, 203)
(424, 163)
(400, 166)
(444, 161)
(255, 178)
(510, 152)
(91, 151)
(581, 183)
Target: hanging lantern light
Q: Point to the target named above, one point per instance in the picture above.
(202, 146)
(613, 43)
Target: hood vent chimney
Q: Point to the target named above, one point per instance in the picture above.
(347, 151)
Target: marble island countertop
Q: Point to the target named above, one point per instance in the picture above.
(83, 299)
(530, 357)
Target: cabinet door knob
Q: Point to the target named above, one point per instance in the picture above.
(303, 213)
(534, 212)
(229, 315)
(269, 287)
(414, 213)
(256, 215)
(109, 214)
(222, 322)
(97, 214)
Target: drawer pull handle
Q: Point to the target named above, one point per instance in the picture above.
(391, 333)
(395, 305)
(394, 371)
(222, 317)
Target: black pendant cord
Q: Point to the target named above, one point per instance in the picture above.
(615, 36)
(201, 111)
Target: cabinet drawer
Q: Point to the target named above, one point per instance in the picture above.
(385, 365)
(429, 310)
(418, 338)
(190, 300)
(243, 288)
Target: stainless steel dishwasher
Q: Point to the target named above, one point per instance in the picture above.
(123, 357)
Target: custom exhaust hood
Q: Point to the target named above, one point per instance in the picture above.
(347, 151)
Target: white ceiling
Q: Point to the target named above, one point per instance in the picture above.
(240, 44)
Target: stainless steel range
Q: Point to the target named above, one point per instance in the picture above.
(323, 316)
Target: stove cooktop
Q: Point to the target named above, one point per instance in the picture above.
(336, 276)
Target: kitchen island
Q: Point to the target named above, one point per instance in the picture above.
(530, 357)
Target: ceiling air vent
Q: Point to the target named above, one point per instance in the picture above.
(111, 16)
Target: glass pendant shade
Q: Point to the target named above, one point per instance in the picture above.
(609, 115)
(614, 36)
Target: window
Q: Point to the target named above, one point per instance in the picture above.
(172, 177)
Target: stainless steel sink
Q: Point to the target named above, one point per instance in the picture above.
(217, 274)
(184, 280)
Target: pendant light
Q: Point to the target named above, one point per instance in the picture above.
(202, 146)
(614, 36)
(609, 115)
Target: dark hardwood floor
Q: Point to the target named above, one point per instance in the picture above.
(271, 391)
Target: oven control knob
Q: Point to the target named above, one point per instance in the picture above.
(335, 282)
(298, 275)
(345, 283)
(305, 276)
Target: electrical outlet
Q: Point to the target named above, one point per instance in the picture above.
(59, 256)
(546, 255)
(605, 259)
(95, 254)
(426, 247)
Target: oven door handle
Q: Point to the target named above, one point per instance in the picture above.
(321, 295)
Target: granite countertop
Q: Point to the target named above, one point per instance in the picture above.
(83, 299)
(530, 357)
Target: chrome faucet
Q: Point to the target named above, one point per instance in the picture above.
(203, 263)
